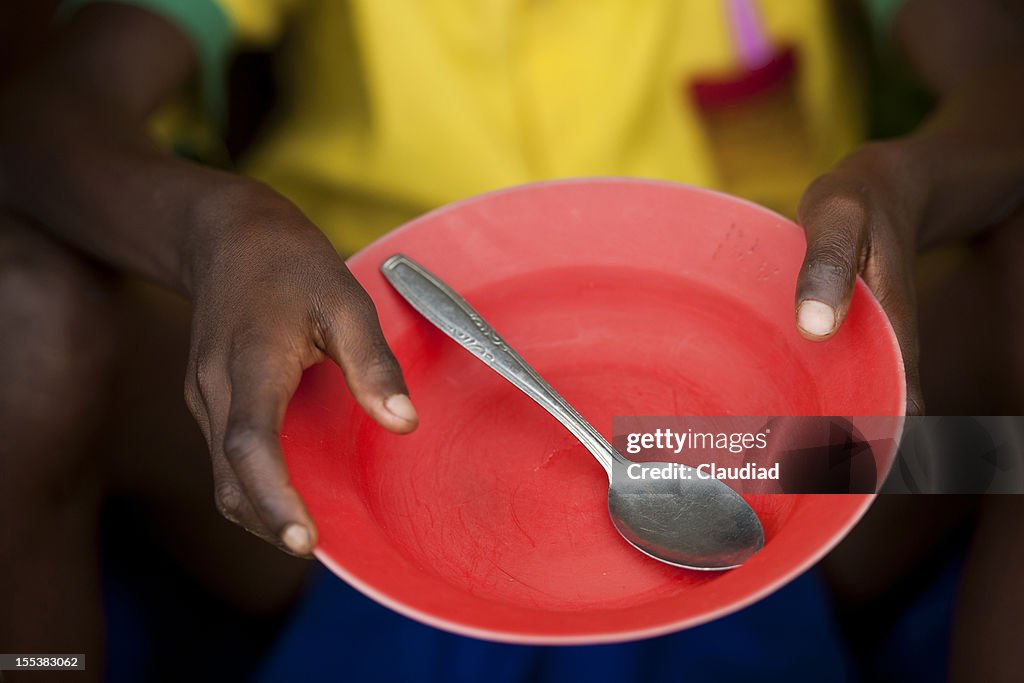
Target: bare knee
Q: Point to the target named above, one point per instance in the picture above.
(972, 362)
(55, 330)
(1003, 252)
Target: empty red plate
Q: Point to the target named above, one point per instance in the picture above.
(631, 298)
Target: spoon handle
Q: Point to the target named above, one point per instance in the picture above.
(455, 317)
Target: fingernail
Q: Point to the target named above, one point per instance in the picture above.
(401, 407)
(815, 318)
(296, 537)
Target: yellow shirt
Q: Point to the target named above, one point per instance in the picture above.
(392, 107)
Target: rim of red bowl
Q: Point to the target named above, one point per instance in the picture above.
(522, 638)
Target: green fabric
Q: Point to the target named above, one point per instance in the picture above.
(881, 14)
(897, 102)
(206, 26)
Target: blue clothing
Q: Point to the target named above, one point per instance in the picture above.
(336, 634)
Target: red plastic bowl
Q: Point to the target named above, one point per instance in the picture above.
(632, 298)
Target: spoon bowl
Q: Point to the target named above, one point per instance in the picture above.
(690, 521)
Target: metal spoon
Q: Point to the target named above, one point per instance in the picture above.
(696, 523)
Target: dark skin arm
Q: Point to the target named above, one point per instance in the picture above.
(270, 296)
(961, 173)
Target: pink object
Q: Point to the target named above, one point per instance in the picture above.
(630, 297)
(749, 34)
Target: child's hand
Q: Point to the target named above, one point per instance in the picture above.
(270, 299)
(863, 217)
(270, 296)
(960, 174)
